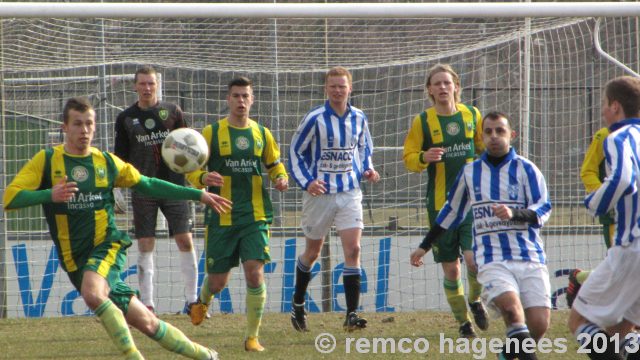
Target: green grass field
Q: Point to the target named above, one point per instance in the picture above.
(84, 338)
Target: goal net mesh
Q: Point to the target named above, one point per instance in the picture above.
(543, 72)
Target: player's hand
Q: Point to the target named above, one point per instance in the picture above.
(216, 202)
(213, 179)
(372, 176)
(282, 184)
(434, 154)
(316, 188)
(502, 212)
(416, 257)
(63, 191)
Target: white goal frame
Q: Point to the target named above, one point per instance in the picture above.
(275, 11)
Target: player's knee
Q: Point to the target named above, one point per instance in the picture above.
(216, 286)
(451, 271)
(93, 299)
(352, 252)
(184, 242)
(512, 313)
(537, 327)
(574, 321)
(311, 255)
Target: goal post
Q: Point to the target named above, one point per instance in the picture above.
(528, 60)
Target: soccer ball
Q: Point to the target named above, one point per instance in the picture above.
(185, 150)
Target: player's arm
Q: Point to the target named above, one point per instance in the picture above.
(300, 152)
(536, 195)
(122, 146)
(129, 176)
(365, 150)
(477, 138)
(620, 182)
(590, 170)
(181, 122)
(23, 190)
(452, 213)
(275, 167)
(412, 152)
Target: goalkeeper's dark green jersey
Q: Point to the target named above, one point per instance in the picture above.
(459, 134)
(238, 155)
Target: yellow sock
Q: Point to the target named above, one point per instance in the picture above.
(113, 321)
(455, 297)
(256, 299)
(474, 287)
(172, 339)
(205, 292)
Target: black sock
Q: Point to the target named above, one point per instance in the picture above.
(587, 333)
(303, 276)
(518, 339)
(351, 281)
(522, 339)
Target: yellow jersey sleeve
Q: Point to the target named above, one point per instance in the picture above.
(28, 178)
(128, 176)
(271, 157)
(412, 152)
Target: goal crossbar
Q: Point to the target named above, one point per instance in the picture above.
(326, 10)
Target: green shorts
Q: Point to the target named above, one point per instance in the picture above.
(227, 245)
(107, 259)
(450, 245)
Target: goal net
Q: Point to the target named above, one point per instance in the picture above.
(543, 72)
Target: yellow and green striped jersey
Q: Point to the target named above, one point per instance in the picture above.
(85, 221)
(238, 155)
(459, 134)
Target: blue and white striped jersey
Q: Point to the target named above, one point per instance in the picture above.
(331, 148)
(515, 182)
(619, 190)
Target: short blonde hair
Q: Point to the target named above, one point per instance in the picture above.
(338, 71)
(438, 68)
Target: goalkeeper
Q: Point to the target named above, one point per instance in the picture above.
(441, 140)
(81, 222)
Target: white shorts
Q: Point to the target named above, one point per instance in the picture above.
(320, 212)
(611, 292)
(529, 280)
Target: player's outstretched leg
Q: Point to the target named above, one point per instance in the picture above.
(114, 322)
(174, 340)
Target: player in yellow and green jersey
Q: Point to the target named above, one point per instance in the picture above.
(239, 147)
(80, 215)
(592, 173)
(442, 139)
